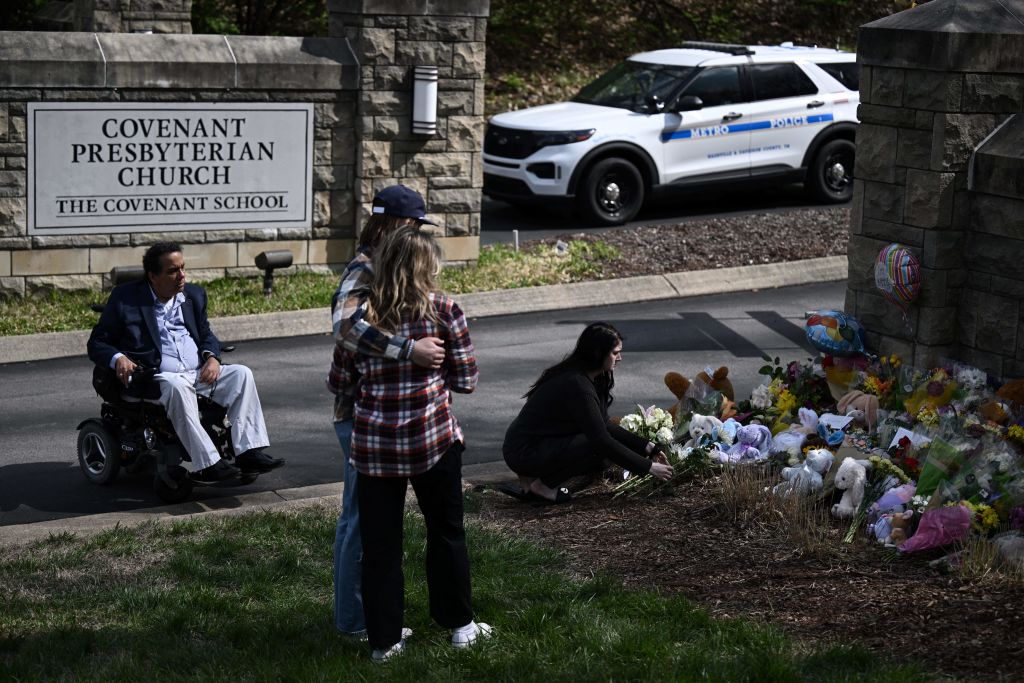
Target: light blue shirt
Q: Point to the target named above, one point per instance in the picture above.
(178, 351)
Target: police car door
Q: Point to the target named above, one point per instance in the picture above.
(710, 142)
(787, 112)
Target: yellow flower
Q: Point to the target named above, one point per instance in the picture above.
(928, 415)
(786, 402)
(1016, 433)
(894, 360)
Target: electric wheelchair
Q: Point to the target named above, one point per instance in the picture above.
(136, 435)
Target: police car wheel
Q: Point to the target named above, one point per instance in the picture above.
(99, 455)
(612, 192)
(830, 178)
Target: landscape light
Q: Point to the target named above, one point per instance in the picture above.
(268, 261)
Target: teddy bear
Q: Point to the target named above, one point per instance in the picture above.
(1013, 393)
(900, 522)
(862, 407)
(752, 443)
(807, 478)
(850, 479)
(717, 381)
(703, 429)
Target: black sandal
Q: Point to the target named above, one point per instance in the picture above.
(514, 491)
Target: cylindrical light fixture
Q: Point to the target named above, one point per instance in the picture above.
(424, 100)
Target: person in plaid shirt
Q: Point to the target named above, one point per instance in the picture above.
(393, 207)
(404, 431)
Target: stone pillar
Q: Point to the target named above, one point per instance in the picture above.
(133, 16)
(390, 38)
(935, 82)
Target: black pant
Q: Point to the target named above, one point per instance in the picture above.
(381, 512)
(555, 460)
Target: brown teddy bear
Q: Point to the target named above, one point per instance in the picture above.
(718, 381)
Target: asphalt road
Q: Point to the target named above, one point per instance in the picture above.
(43, 402)
(667, 206)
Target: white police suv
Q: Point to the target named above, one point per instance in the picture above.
(698, 114)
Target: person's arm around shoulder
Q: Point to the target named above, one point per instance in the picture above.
(352, 332)
(461, 372)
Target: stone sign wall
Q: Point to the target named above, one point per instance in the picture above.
(358, 82)
(936, 81)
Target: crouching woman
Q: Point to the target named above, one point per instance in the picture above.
(564, 430)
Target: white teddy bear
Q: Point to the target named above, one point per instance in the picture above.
(850, 479)
(702, 426)
(806, 479)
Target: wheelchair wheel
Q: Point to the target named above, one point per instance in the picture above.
(172, 485)
(99, 455)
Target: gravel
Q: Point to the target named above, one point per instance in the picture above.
(722, 242)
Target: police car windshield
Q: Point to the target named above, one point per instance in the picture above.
(630, 85)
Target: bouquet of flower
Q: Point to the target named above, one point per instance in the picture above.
(685, 462)
(653, 424)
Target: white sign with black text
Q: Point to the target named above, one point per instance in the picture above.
(143, 166)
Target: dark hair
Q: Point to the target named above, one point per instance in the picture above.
(377, 226)
(595, 343)
(151, 259)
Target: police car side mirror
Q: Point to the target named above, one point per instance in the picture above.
(689, 103)
(654, 104)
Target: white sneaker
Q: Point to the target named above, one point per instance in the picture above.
(380, 656)
(468, 634)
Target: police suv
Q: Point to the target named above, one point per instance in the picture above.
(698, 114)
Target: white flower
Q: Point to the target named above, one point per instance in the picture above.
(970, 378)
(761, 397)
(631, 422)
(664, 435)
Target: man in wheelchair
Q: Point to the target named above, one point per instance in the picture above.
(155, 336)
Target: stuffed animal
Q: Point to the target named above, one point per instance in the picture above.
(726, 434)
(703, 429)
(1013, 393)
(719, 381)
(862, 407)
(791, 441)
(892, 500)
(753, 442)
(807, 478)
(900, 524)
(850, 479)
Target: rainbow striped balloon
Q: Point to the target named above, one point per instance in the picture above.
(898, 275)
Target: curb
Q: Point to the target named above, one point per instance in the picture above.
(32, 347)
(328, 495)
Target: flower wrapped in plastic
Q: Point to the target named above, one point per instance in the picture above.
(936, 391)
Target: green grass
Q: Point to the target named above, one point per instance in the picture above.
(249, 598)
(499, 267)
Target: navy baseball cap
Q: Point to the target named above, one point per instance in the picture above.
(401, 201)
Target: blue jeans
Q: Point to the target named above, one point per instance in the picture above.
(348, 546)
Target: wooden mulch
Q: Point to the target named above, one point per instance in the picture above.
(896, 606)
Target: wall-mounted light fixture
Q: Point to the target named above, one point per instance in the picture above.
(424, 100)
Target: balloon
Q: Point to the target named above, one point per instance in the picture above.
(898, 275)
(835, 332)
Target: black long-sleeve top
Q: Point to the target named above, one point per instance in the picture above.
(569, 404)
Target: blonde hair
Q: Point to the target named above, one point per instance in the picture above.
(405, 266)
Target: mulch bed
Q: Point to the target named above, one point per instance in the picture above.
(898, 607)
(722, 242)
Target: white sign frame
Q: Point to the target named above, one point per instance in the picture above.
(212, 167)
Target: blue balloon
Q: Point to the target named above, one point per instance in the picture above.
(835, 333)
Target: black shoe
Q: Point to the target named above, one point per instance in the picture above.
(255, 460)
(218, 471)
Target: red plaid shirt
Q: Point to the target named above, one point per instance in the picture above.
(403, 418)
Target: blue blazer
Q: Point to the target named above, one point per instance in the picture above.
(128, 325)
